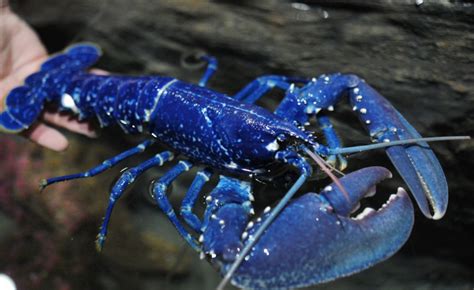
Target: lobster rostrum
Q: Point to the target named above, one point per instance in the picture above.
(301, 241)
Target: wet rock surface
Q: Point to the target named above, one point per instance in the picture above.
(419, 54)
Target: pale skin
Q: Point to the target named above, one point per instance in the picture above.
(21, 54)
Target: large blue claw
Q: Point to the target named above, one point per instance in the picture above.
(416, 163)
(314, 239)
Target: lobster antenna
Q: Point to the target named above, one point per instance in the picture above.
(273, 214)
(355, 149)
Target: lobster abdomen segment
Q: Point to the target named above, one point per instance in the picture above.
(115, 99)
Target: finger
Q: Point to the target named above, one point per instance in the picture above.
(47, 137)
(70, 123)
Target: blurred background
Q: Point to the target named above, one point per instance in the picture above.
(419, 54)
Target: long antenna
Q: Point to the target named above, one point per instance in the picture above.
(355, 149)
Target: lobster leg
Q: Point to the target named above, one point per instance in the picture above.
(260, 86)
(332, 140)
(228, 190)
(159, 193)
(125, 180)
(100, 168)
(210, 70)
(190, 199)
(227, 213)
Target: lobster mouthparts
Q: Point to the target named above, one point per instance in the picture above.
(315, 239)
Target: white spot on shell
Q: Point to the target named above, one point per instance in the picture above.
(206, 178)
(251, 197)
(363, 110)
(185, 164)
(273, 146)
(328, 188)
(68, 102)
(232, 165)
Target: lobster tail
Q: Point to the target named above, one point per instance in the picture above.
(24, 104)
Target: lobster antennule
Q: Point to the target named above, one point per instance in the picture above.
(24, 104)
(324, 167)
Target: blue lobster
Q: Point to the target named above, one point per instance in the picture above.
(301, 241)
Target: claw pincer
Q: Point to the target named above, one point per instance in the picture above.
(416, 163)
(314, 239)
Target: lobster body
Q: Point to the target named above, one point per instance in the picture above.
(206, 126)
(234, 136)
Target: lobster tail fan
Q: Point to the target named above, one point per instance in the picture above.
(76, 57)
(24, 104)
(22, 109)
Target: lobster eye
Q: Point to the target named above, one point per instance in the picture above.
(287, 140)
(281, 138)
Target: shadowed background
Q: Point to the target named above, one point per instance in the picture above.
(417, 54)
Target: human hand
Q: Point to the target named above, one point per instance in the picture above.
(21, 54)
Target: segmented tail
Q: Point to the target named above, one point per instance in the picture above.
(24, 104)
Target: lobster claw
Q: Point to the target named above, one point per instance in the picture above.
(319, 241)
(416, 163)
